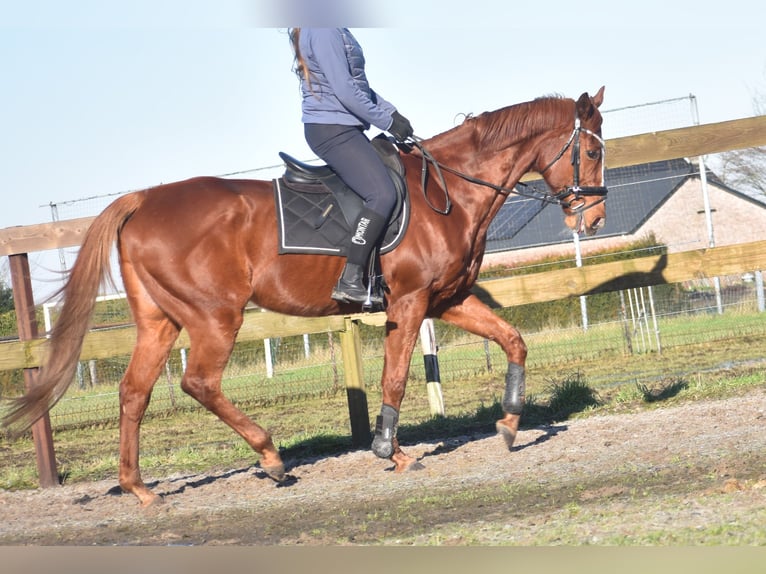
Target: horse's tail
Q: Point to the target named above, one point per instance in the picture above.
(90, 270)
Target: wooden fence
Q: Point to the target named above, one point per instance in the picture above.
(17, 242)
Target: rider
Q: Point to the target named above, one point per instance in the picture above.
(338, 105)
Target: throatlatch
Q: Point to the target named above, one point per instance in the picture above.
(385, 431)
(515, 388)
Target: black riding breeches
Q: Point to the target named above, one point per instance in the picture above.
(350, 154)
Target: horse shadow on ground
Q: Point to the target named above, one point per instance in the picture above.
(450, 432)
(653, 394)
(189, 482)
(449, 445)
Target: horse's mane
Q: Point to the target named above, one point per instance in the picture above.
(500, 128)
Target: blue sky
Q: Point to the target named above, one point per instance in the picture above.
(104, 97)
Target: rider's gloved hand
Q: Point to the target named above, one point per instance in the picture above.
(400, 128)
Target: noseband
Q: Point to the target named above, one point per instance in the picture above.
(575, 204)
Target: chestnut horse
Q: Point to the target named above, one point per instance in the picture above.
(194, 253)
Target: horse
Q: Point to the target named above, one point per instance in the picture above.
(194, 253)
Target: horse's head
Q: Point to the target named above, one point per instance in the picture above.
(575, 172)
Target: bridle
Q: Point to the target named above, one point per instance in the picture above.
(575, 189)
(559, 198)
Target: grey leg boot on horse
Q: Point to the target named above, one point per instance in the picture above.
(351, 286)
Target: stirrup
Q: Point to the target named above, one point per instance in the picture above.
(348, 293)
(375, 298)
(374, 302)
(346, 296)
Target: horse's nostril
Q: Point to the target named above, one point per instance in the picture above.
(595, 225)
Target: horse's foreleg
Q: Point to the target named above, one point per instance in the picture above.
(402, 329)
(475, 317)
(211, 346)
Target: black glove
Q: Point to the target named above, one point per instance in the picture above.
(400, 127)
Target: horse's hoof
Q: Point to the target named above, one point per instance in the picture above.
(508, 434)
(405, 463)
(276, 473)
(382, 448)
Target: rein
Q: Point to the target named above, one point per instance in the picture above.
(557, 198)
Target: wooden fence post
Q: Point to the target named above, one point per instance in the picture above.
(26, 321)
(351, 345)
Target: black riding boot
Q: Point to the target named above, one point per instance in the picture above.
(365, 233)
(350, 286)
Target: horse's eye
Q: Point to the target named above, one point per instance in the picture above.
(594, 153)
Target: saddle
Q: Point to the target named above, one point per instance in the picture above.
(316, 209)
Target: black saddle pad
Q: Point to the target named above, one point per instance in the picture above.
(313, 219)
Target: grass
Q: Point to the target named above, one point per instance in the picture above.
(599, 522)
(571, 395)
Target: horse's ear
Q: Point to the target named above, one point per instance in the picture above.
(586, 105)
(598, 99)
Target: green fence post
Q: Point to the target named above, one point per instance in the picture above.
(351, 345)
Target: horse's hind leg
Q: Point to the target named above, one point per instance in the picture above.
(155, 339)
(475, 317)
(212, 339)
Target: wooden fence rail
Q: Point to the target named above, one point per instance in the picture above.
(505, 292)
(625, 274)
(17, 242)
